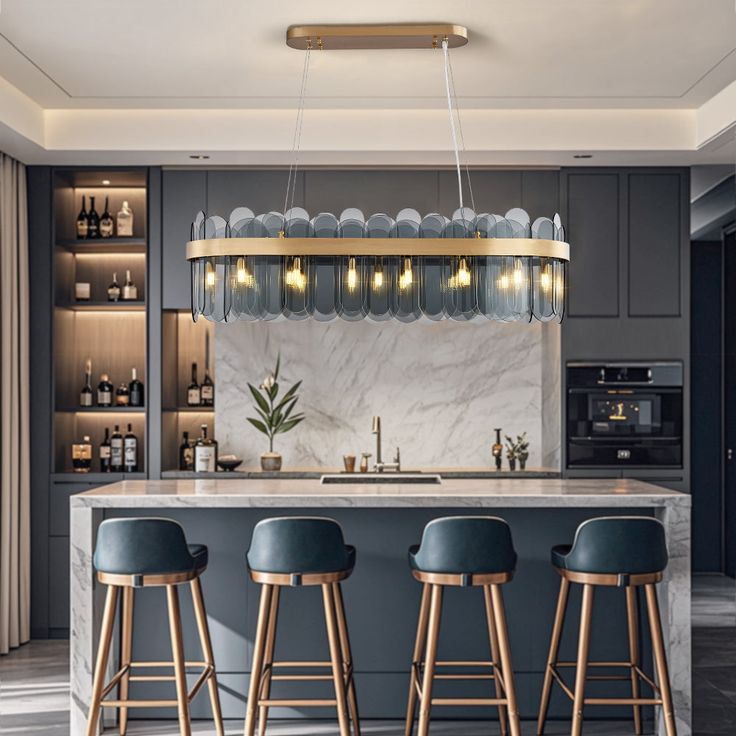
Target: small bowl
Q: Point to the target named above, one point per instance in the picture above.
(229, 463)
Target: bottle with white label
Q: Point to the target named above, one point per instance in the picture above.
(194, 392)
(130, 290)
(205, 453)
(85, 395)
(130, 451)
(125, 221)
(104, 391)
(113, 291)
(105, 452)
(116, 451)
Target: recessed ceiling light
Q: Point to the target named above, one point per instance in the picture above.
(583, 155)
(198, 155)
(106, 182)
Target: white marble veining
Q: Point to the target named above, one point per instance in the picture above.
(440, 389)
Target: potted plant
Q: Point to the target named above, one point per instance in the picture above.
(517, 450)
(275, 416)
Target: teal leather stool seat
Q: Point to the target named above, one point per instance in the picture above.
(463, 552)
(298, 551)
(628, 552)
(136, 553)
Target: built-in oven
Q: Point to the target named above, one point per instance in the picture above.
(624, 415)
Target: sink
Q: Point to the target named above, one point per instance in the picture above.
(413, 478)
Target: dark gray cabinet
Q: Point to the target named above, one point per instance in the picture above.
(184, 194)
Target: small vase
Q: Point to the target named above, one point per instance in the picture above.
(512, 463)
(271, 461)
(522, 463)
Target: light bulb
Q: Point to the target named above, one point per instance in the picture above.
(295, 277)
(503, 282)
(518, 275)
(244, 275)
(210, 275)
(461, 278)
(545, 280)
(352, 275)
(406, 278)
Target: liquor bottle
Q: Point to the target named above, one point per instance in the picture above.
(194, 393)
(85, 395)
(116, 451)
(107, 224)
(130, 451)
(113, 291)
(82, 221)
(125, 221)
(82, 456)
(104, 391)
(130, 290)
(186, 453)
(135, 388)
(93, 221)
(205, 453)
(122, 395)
(105, 452)
(207, 390)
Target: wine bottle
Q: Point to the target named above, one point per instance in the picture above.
(186, 453)
(130, 451)
(82, 456)
(82, 221)
(86, 395)
(207, 390)
(122, 395)
(105, 452)
(205, 453)
(194, 393)
(116, 451)
(135, 388)
(104, 391)
(93, 221)
(107, 224)
(113, 291)
(130, 290)
(125, 221)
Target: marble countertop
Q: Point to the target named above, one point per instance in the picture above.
(451, 492)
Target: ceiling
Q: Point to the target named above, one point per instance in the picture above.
(70, 61)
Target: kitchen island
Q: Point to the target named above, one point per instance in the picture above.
(381, 520)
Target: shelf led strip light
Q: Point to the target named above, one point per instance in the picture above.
(290, 265)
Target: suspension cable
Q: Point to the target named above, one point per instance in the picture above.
(460, 131)
(452, 123)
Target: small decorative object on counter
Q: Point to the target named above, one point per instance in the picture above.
(113, 291)
(186, 453)
(105, 452)
(125, 221)
(135, 389)
(82, 291)
(116, 451)
(82, 456)
(85, 395)
(130, 451)
(228, 463)
(107, 225)
(517, 450)
(130, 290)
(497, 449)
(349, 463)
(104, 391)
(82, 221)
(205, 453)
(274, 417)
(364, 457)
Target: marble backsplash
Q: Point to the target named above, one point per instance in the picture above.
(440, 389)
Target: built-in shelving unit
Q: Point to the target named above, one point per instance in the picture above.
(113, 335)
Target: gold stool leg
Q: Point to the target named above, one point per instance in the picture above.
(416, 661)
(633, 625)
(268, 660)
(177, 648)
(493, 640)
(204, 638)
(103, 653)
(582, 664)
(660, 660)
(554, 648)
(258, 656)
(126, 644)
(347, 655)
(505, 654)
(337, 659)
(435, 615)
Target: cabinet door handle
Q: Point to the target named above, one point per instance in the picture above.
(729, 454)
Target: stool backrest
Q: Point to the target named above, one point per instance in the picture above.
(619, 545)
(141, 546)
(467, 544)
(297, 545)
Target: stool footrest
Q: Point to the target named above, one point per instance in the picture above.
(301, 703)
(610, 678)
(469, 701)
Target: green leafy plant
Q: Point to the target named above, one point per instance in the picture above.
(275, 416)
(518, 449)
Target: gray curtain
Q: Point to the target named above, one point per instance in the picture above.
(15, 530)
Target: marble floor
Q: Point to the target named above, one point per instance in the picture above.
(34, 686)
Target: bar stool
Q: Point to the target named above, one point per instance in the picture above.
(626, 552)
(143, 553)
(465, 551)
(299, 551)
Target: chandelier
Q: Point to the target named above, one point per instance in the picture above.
(290, 265)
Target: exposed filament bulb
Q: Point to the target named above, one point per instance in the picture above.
(295, 277)
(210, 275)
(406, 278)
(352, 275)
(545, 280)
(245, 277)
(461, 278)
(378, 275)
